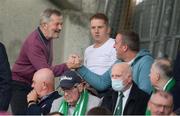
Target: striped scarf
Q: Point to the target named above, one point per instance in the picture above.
(80, 108)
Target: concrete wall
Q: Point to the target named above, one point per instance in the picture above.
(76, 33)
(21, 17)
(18, 19)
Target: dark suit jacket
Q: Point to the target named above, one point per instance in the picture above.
(5, 79)
(44, 106)
(176, 90)
(135, 105)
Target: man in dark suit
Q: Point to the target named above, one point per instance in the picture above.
(134, 100)
(5, 79)
(176, 92)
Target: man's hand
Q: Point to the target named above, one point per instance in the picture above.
(32, 96)
(74, 61)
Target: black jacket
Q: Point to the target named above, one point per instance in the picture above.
(135, 105)
(176, 90)
(44, 106)
(5, 79)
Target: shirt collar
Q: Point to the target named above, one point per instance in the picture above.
(127, 92)
(46, 96)
(42, 36)
(131, 61)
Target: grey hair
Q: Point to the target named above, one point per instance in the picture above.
(47, 13)
(164, 67)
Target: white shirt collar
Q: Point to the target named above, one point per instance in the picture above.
(131, 61)
(126, 96)
(127, 92)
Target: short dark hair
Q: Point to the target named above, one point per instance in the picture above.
(100, 16)
(132, 40)
(99, 111)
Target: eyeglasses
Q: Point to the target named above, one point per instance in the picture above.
(160, 105)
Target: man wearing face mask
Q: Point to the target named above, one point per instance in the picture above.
(125, 98)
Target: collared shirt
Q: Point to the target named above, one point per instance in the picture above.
(126, 95)
(44, 97)
(43, 37)
(130, 62)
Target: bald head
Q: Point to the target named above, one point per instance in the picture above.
(121, 69)
(121, 77)
(43, 81)
(44, 75)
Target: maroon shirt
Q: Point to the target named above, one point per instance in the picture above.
(34, 55)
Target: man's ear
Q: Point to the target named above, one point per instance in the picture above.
(125, 48)
(44, 85)
(80, 87)
(44, 26)
(157, 76)
(149, 105)
(129, 78)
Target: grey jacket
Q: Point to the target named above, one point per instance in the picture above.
(93, 101)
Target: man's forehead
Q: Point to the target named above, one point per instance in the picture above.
(96, 22)
(56, 18)
(118, 38)
(117, 72)
(157, 97)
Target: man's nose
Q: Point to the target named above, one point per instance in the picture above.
(96, 30)
(161, 109)
(60, 27)
(65, 93)
(114, 45)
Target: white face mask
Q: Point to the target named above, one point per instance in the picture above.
(117, 85)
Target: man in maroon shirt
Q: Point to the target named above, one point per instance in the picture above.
(36, 53)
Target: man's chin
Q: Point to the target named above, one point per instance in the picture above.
(56, 37)
(71, 104)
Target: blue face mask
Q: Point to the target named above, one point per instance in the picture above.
(117, 85)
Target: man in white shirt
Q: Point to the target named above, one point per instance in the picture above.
(133, 100)
(101, 55)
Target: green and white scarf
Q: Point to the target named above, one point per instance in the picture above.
(80, 108)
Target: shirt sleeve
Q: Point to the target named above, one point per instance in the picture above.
(99, 82)
(113, 55)
(38, 59)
